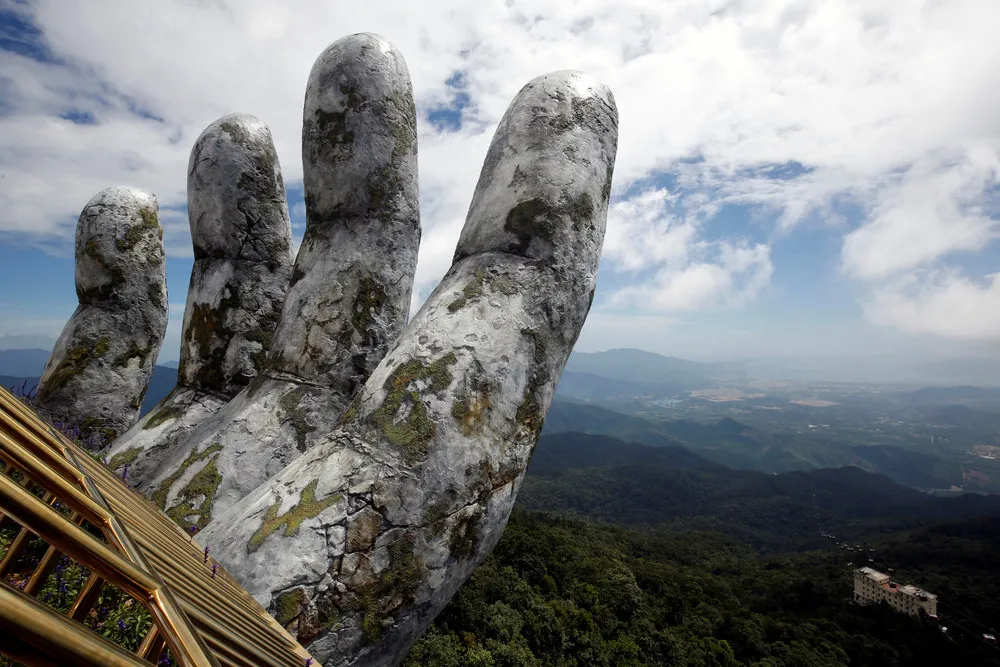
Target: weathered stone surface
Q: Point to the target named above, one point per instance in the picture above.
(350, 292)
(242, 246)
(361, 476)
(375, 528)
(97, 374)
(349, 295)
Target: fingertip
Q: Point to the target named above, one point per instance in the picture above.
(236, 196)
(359, 134)
(119, 247)
(545, 185)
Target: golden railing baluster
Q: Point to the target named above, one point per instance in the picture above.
(151, 646)
(73, 540)
(46, 564)
(6, 521)
(87, 597)
(14, 551)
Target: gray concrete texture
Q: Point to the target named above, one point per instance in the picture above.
(348, 469)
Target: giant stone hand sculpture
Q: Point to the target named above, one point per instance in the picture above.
(370, 465)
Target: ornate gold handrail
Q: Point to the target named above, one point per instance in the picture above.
(199, 613)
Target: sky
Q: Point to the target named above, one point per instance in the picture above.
(794, 178)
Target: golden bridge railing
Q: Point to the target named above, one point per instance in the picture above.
(54, 491)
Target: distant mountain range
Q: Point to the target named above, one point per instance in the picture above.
(736, 445)
(23, 363)
(648, 367)
(604, 478)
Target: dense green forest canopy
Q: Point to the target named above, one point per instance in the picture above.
(653, 556)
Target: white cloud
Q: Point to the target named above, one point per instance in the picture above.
(858, 92)
(930, 213)
(943, 304)
(659, 231)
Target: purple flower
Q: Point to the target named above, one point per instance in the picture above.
(122, 625)
(214, 568)
(309, 661)
(124, 472)
(206, 554)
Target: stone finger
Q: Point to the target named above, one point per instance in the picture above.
(242, 248)
(349, 295)
(347, 300)
(97, 374)
(361, 541)
(241, 238)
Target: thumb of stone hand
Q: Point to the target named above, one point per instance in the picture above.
(348, 469)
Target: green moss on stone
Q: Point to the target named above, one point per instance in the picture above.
(307, 508)
(160, 495)
(92, 426)
(77, 359)
(477, 287)
(102, 346)
(403, 130)
(297, 416)
(436, 511)
(124, 457)
(204, 484)
(529, 413)
(371, 619)
(503, 284)
(288, 605)
(405, 572)
(369, 302)
(136, 231)
(163, 414)
(416, 430)
(351, 412)
(399, 581)
(472, 290)
(132, 352)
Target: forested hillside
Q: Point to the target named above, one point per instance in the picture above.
(558, 591)
(655, 556)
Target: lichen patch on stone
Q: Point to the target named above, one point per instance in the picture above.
(296, 416)
(307, 508)
(477, 287)
(412, 433)
(163, 491)
(124, 457)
